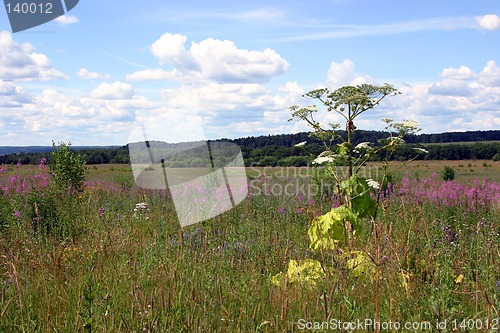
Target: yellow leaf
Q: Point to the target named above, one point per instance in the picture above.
(307, 272)
(360, 264)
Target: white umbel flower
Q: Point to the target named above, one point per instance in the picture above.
(421, 150)
(373, 184)
(410, 124)
(302, 144)
(324, 157)
(312, 108)
(141, 205)
(362, 145)
(141, 211)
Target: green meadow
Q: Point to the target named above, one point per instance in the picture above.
(90, 263)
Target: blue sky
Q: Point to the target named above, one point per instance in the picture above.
(231, 69)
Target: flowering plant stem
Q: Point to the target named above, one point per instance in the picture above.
(334, 231)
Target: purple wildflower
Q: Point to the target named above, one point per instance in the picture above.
(101, 212)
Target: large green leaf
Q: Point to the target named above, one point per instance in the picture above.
(359, 191)
(327, 230)
(307, 273)
(360, 264)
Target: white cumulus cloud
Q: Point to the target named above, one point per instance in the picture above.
(490, 75)
(67, 19)
(87, 75)
(212, 60)
(20, 62)
(12, 96)
(150, 75)
(488, 22)
(116, 90)
(342, 74)
(462, 73)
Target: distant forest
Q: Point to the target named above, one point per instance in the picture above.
(280, 150)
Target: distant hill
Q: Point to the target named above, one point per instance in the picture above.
(273, 150)
(4, 150)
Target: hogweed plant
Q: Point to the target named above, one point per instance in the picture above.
(335, 231)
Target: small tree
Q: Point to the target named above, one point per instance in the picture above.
(68, 168)
(448, 173)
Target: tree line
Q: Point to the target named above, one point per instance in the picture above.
(280, 150)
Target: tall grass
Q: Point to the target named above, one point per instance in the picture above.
(116, 272)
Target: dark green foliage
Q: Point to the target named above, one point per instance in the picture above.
(496, 157)
(273, 150)
(448, 173)
(42, 213)
(68, 168)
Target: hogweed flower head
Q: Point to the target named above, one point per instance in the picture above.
(373, 184)
(421, 150)
(362, 145)
(302, 144)
(324, 157)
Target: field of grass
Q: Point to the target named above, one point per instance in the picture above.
(89, 263)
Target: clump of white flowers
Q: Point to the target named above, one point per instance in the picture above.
(362, 145)
(421, 150)
(312, 108)
(373, 184)
(302, 144)
(406, 127)
(411, 125)
(324, 157)
(141, 211)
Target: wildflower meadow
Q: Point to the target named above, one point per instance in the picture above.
(113, 258)
(344, 244)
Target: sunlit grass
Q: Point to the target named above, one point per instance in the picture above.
(125, 274)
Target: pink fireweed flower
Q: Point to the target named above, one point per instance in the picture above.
(452, 193)
(43, 160)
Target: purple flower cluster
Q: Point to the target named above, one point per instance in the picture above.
(24, 183)
(485, 194)
(450, 235)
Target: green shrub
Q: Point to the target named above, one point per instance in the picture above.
(448, 173)
(496, 157)
(68, 168)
